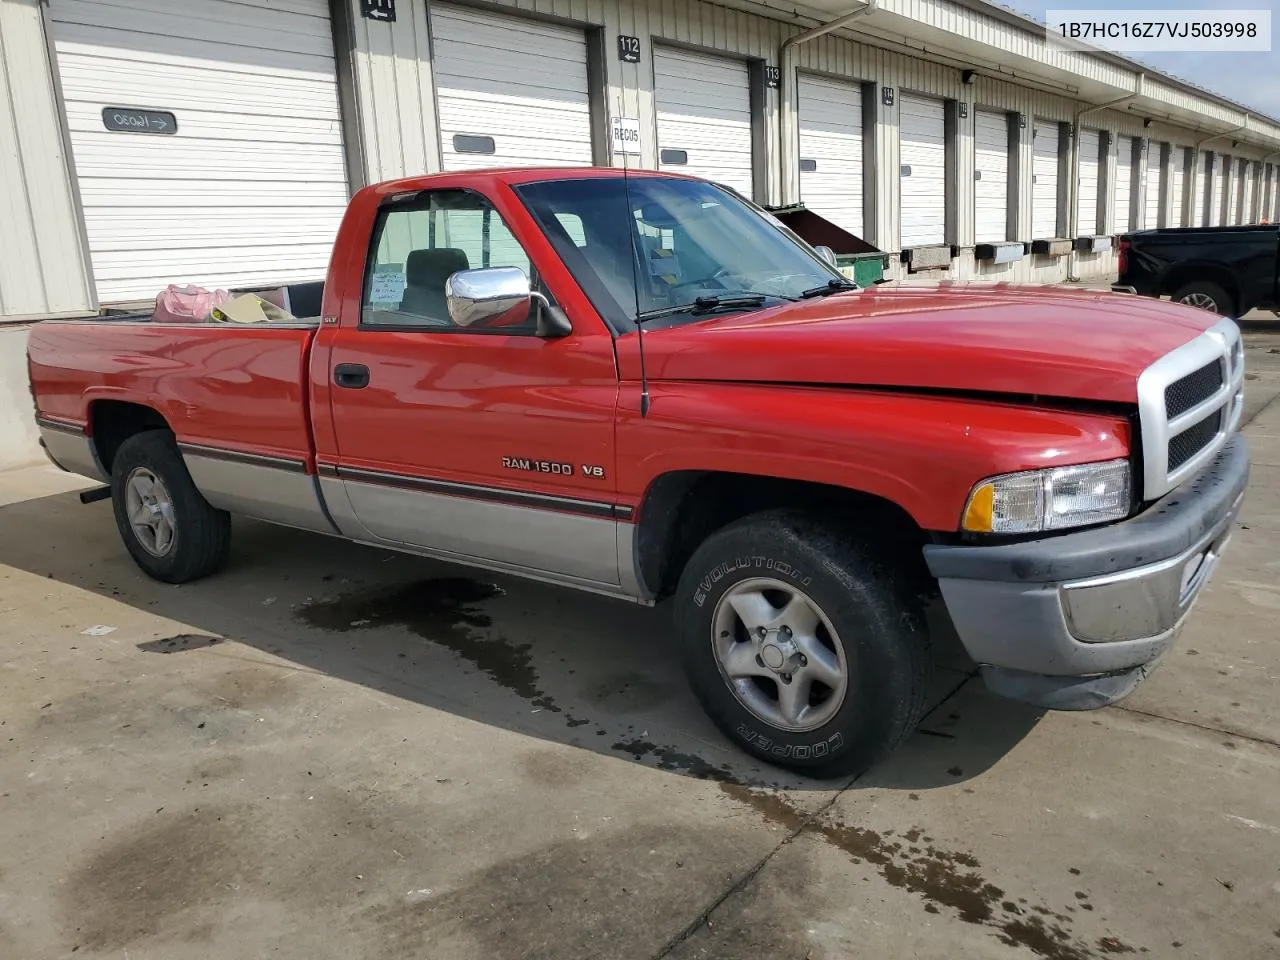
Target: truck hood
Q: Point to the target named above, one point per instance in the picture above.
(1031, 341)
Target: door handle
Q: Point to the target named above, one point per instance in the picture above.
(352, 375)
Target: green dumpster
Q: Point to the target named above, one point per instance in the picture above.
(861, 262)
(864, 269)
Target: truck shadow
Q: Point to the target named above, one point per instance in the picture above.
(547, 662)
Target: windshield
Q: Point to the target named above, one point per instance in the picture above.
(692, 246)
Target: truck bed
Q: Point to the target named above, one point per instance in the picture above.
(232, 386)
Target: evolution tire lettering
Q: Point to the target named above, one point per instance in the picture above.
(790, 751)
(538, 466)
(718, 573)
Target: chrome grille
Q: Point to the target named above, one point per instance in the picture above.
(1189, 402)
(1195, 388)
(1194, 439)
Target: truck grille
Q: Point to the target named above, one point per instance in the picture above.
(1195, 388)
(1194, 439)
(1189, 402)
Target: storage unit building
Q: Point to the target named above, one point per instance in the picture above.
(703, 107)
(1044, 180)
(206, 137)
(991, 176)
(510, 91)
(923, 156)
(831, 150)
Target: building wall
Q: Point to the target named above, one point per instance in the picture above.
(43, 265)
(398, 131)
(19, 442)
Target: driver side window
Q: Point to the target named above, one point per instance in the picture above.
(418, 245)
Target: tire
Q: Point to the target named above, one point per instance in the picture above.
(199, 536)
(1206, 296)
(868, 619)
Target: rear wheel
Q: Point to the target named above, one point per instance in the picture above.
(1206, 296)
(804, 647)
(167, 526)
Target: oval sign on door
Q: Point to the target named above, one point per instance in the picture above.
(128, 120)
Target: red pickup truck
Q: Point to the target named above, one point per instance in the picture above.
(647, 387)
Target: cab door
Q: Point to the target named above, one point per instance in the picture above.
(493, 444)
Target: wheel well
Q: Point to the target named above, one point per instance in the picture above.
(115, 421)
(1183, 274)
(683, 508)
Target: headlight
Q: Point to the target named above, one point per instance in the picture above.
(1051, 499)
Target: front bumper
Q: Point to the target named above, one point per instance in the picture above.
(1076, 621)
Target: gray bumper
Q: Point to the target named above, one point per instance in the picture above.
(1075, 621)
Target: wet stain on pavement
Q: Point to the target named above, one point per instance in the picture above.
(949, 879)
(171, 864)
(606, 896)
(668, 758)
(443, 611)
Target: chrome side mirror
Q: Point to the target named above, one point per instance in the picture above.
(827, 254)
(489, 292)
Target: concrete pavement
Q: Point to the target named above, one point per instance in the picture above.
(328, 751)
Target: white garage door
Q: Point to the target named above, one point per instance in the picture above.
(1127, 152)
(1232, 187)
(831, 150)
(922, 128)
(251, 186)
(1177, 186)
(1221, 192)
(991, 176)
(1087, 190)
(1044, 181)
(1246, 193)
(1155, 184)
(1200, 195)
(511, 92)
(704, 117)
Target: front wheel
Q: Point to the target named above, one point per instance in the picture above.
(805, 648)
(167, 526)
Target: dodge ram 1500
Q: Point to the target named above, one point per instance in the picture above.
(647, 387)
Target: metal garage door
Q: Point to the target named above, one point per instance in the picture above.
(1246, 193)
(1155, 184)
(923, 155)
(250, 188)
(1221, 192)
(1087, 188)
(1127, 172)
(703, 104)
(1177, 186)
(991, 176)
(510, 91)
(1200, 195)
(1044, 181)
(1232, 189)
(831, 150)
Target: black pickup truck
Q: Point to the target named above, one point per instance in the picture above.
(1228, 270)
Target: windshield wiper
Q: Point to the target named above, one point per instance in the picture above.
(709, 304)
(831, 286)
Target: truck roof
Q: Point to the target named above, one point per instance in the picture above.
(516, 175)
